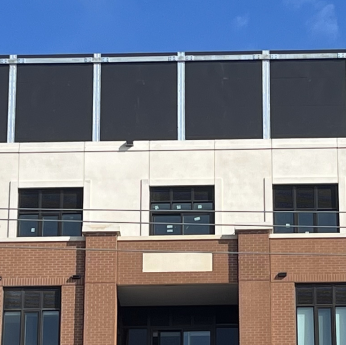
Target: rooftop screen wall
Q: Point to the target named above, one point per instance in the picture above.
(173, 96)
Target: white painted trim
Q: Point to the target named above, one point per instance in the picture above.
(177, 238)
(305, 180)
(310, 236)
(44, 239)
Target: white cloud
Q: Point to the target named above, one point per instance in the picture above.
(240, 22)
(324, 22)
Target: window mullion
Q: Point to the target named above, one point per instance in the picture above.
(60, 212)
(40, 214)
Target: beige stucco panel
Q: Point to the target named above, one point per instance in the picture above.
(51, 166)
(243, 173)
(115, 186)
(8, 172)
(177, 262)
(301, 163)
(182, 164)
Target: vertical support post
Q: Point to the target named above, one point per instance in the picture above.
(181, 96)
(266, 94)
(96, 99)
(12, 95)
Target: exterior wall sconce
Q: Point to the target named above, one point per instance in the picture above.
(76, 277)
(129, 143)
(281, 275)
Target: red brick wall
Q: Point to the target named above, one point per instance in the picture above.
(100, 303)
(130, 264)
(313, 268)
(254, 288)
(41, 265)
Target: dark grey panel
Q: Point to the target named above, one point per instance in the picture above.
(54, 103)
(325, 51)
(308, 99)
(223, 100)
(138, 54)
(3, 102)
(139, 101)
(56, 56)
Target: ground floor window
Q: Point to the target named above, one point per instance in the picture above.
(185, 325)
(321, 314)
(31, 316)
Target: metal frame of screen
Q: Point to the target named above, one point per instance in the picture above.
(97, 60)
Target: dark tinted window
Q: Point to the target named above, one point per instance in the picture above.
(223, 100)
(50, 212)
(54, 103)
(29, 319)
(306, 208)
(182, 210)
(139, 101)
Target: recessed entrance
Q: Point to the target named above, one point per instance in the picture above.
(183, 325)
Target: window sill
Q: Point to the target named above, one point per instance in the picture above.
(309, 235)
(176, 237)
(44, 239)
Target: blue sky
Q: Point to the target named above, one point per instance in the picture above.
(125, 26)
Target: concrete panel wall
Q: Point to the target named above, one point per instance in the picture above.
(117, 179)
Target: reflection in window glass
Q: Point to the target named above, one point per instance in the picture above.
(11, 328)
(340, 322)
(285, 220)
(30, 328)
(70, 224)
(28, 227)
(50, 325)
(328, 220)
(304, 220)
(50, 226)
(193, 224)
(227, 336)
(305, 326)
(170, 338)
(324, 327)
(197, 338)
(137, 337)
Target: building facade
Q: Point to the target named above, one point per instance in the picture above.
(173, 199)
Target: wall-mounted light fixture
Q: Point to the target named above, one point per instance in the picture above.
(76, 276)
(281, 275)
(129, 143)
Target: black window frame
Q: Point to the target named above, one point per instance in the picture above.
(183, 212)
(316, 306)
(40, 212)
(23, 310)
(315, 209)
(220, 317)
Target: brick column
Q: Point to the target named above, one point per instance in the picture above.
(254, 288)
(100, 301)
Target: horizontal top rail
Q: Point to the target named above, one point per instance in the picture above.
(171, 58)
